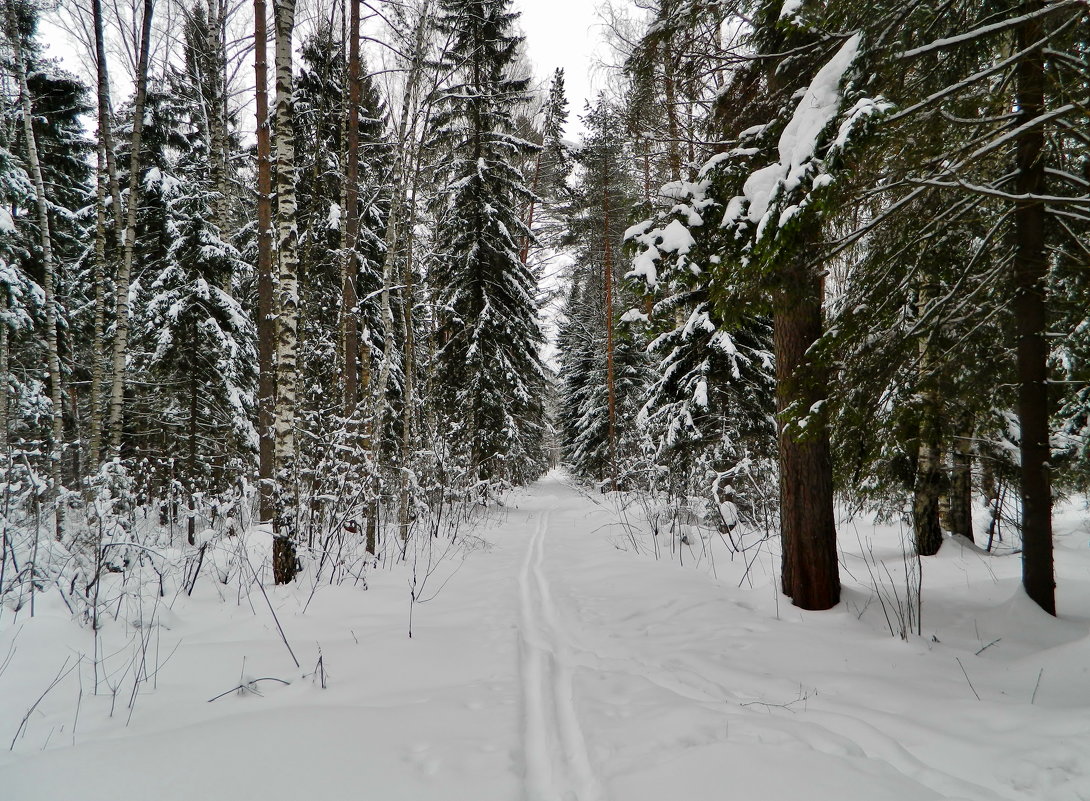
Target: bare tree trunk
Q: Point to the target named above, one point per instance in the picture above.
(56, 443)
(114, 423)
(669, 83)
(266, 326)
(524, 256)
(1031, 320)
(928, 483)
(607, 280)
(409, 391)
(393, 229)
(810, 574)
(192, 466)
(285, 521)
(961, 481)
(94, 446)
(408, 363)
(352, 218)
(217, 114)
(5, 367)
(107, 174)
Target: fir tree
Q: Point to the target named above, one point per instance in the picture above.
(488, 366)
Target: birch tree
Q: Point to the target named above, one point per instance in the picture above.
(56, 443)
(285, 520)
(120, 349)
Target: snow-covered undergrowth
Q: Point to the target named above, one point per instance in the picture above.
(553, 659)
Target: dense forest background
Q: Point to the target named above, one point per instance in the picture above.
(804, 252)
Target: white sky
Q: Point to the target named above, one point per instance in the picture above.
(567, 34)
(559, 33)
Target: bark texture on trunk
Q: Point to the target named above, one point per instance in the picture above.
(191, 527)
(961, 482)
(106, 180)
(607, 280)
(928, 485)
(266, 326)
(810, 575)
(286, 516)
(56, 440)
(98, 373)
(352, 218)
(394, 227)
(217, 115)
(1031, 319)
(5, 400)
(115, 423)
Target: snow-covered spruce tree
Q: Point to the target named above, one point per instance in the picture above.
(955, 74)
(767, 194)
(338, 247)
(1071, 360)
(142, 440)
(919, 336)
(321, 107)
(603, 370)
(489, 373)
(45, 182)
(23, 398)
(199, 343)
(709, 413)
(551, 166)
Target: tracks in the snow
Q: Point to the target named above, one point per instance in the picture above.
(557, 764)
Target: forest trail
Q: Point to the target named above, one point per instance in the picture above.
(555, 748)
(550, 661)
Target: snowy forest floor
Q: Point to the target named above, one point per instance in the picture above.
(554, 663)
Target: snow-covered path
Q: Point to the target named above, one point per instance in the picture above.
(555, 750)
(554, 665)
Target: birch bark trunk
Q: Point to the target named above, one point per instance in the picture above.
(266, 326)
(56, 440)
(114, 423)
(285, 519)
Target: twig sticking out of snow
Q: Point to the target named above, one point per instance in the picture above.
(971, 687)
(1036, 687)
(248, 687)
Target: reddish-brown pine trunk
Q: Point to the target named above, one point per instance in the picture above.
(1030, 313)
(266, 326)
(352, 221)
(807, 524)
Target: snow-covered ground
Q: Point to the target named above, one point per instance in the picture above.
(554, 663)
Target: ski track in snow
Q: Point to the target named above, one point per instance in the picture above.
(557, 763)
(560, 667)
